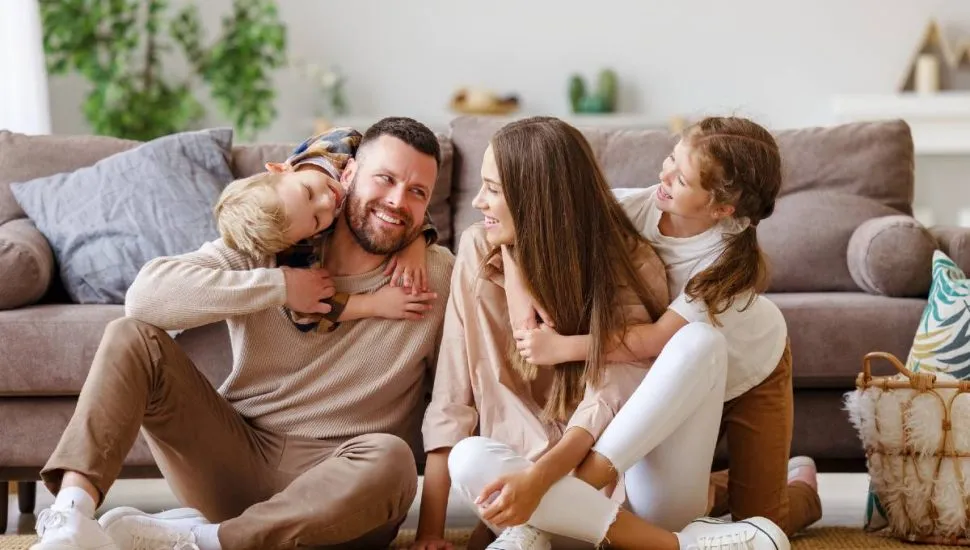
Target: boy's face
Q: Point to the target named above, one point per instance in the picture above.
(310, 198)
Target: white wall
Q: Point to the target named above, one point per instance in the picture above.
(779, 61)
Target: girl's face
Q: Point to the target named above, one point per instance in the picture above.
(680, 192)
(491, 201)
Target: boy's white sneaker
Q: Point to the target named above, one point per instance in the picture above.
(755, 533)
(133, 529)
(69, 529)
(521, 537)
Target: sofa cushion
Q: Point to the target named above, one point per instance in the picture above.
(33, 426)
(940, 343)
(954, 241)
(24, 158)
(831, 332)
(47, 350)
(870, 159)
(892, 256)
(250, 159)
(806, 239)
(26, 264)
(107, 220)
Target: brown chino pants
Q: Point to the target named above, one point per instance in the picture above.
(758, 425)
(266, 490)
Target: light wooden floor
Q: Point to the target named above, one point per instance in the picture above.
(843, 502)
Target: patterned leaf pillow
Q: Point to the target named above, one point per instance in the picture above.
(942, 342)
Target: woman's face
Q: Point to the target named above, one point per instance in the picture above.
(491, 201)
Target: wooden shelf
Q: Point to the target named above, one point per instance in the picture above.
(940, 122)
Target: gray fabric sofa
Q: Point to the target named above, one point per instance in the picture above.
(851, 270)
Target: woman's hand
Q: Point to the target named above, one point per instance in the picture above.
(546, 347)
(518, 497)
(408, 268)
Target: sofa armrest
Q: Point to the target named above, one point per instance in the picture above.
(954, 241)
(26, 264)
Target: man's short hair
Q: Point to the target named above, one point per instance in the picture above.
(408, 130)
(251, 216)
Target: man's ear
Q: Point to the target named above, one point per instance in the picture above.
(277, 167)
(347, 175)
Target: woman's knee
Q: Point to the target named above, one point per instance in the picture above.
(464, 460)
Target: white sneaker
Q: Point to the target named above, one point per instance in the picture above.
(69, 529)
(521, 537)
(755, 533)
(133, 529)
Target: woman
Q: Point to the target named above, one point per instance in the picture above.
(551, 220)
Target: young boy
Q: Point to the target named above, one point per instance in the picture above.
(287, 212)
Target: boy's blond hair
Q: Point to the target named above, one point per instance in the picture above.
(251, 216)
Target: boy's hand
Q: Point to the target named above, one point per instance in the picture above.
(543, 346)
(394, 302)
(305, 288)
(522, 307)
(408, 267)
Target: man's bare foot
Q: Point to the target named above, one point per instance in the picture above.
(802, 468)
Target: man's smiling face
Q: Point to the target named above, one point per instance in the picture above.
(390, 187)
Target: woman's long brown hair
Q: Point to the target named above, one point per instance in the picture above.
(573, 244)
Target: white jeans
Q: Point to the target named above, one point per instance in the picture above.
(663, 439)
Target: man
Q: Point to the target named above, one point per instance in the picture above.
(300, 445)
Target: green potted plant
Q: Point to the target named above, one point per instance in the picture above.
(117, 45)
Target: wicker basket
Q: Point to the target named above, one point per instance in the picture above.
(915, 428)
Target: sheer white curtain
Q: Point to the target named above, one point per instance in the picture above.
(24, 103)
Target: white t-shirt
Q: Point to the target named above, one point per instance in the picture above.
(756, 337)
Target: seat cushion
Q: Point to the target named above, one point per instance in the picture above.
(831, 332)
(33, 425)
(47, 350)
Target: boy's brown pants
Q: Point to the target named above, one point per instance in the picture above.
(758, 425)
(266, 490)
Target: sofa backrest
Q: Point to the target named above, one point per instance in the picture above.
(839, 176)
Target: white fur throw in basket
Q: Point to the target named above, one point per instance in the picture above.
(915, 428)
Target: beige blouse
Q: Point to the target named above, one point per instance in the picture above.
(475, 387)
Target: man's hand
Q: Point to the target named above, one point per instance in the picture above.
(394, 302)
(546, 347)
(518, 497)
(522, 307)
(408, 267)
(305, 288)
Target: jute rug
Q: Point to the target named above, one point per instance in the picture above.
(821, 538)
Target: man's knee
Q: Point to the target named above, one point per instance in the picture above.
(394, 466)
(126, 332)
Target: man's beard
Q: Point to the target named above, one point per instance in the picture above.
(383, 241)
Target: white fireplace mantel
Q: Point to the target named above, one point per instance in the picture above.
(940, 122)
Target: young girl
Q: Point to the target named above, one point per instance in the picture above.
(545, 199)
(719, 182)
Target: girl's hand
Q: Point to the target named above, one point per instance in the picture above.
(422, 543)
(518, 497)
(408, 267)
(393, 302)
(543, 346)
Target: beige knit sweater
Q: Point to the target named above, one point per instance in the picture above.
(366, 376)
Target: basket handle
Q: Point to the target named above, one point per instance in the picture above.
(917, 380)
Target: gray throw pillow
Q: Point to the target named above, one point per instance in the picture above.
(105, 221)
